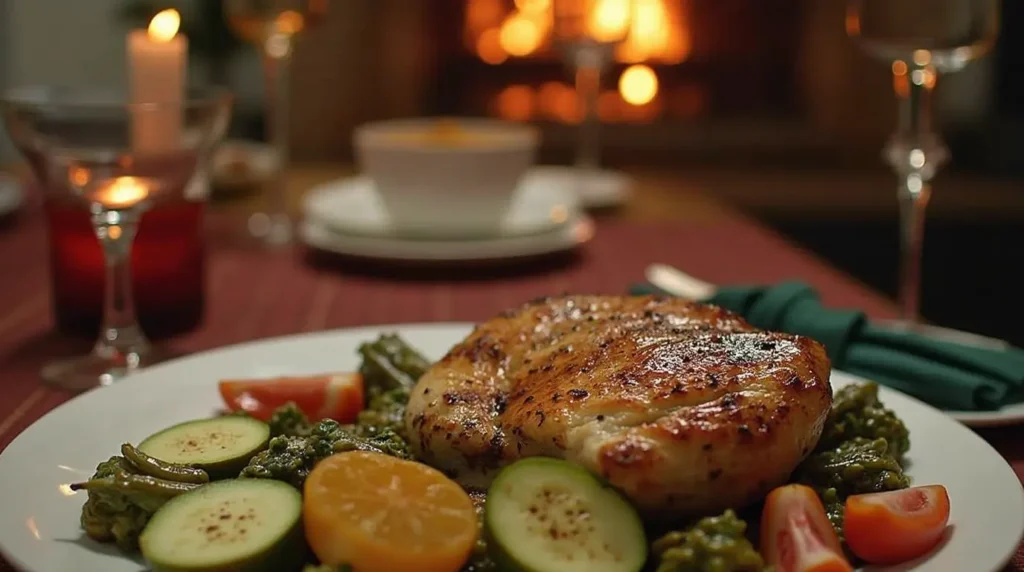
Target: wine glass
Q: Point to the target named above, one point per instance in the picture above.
(587, 32)
(919, 39)
(117, 157)
(272, 25)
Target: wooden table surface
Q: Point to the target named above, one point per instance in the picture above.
(253, 293)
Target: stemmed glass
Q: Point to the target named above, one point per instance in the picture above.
(587, 32)
(118, 158)
(920, 39)
(272, 25)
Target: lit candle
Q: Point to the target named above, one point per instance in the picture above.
(157, 62)
(122, 192)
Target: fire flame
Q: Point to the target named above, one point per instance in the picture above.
(638, 84)
(656, 31)
(609, 20)
(164, 26)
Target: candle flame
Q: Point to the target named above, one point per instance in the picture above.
(164, 26)
(123, 192)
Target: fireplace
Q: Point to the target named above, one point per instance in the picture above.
(685, 63)
(732, 80)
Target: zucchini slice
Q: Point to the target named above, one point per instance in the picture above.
(548, 515)
(245, 524)
(221, 446)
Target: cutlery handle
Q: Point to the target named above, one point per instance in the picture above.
(678, 283)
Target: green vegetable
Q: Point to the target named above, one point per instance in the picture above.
(390, 367)
(854, 467)
(326, 568)
(549, 515)
(221, 445)
(385, 411)
(157, 468)
(480, 559)
(145, 487)
(390, 363)
(122, 500)
(290, 421)
(290, 459)
(713, 544)
(228, 525)
(857, 413)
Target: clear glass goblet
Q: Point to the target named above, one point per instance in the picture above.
(117, 158)
(919, 39)
(587, 33)
(272, 26)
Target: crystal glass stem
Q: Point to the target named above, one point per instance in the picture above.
(120, 339)
(915, 152)
(276, 65)
(589, 66)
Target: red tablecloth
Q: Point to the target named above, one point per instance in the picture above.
(254, 294)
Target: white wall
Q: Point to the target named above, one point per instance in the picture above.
(79, 43)
(66, 42)
(6, 152)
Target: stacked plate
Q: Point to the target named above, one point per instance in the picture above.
(349, 217)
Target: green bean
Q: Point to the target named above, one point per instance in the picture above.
(140, 484)
(168, 471)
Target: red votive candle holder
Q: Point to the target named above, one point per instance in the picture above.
(168, 268)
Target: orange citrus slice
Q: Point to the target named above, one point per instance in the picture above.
(382, 514)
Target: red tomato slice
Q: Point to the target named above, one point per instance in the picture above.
(333, 396)
(896, 526)
(796, 535)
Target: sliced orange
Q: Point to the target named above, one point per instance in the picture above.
(382, 514)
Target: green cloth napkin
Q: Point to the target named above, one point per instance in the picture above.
(942, 373)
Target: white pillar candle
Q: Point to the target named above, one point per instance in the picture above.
(157, 63)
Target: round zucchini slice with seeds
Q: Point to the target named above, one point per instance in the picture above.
(221, 446)
(548, 515)
(245, 524)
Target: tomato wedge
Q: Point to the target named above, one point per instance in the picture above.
(796, 535)
(896, 526)
(337, 396)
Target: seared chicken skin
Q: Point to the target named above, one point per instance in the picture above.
(684, 407)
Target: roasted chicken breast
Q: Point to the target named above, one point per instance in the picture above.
(684, 407)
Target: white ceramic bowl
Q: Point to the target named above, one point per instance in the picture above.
(445, 177)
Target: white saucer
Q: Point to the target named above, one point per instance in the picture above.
(11, 195)
(575, 233)
(352, 206)
(594, 189)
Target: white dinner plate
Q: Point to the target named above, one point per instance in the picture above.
(1012, 414)
(39, 519)
(352, 206)
(578, 232)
